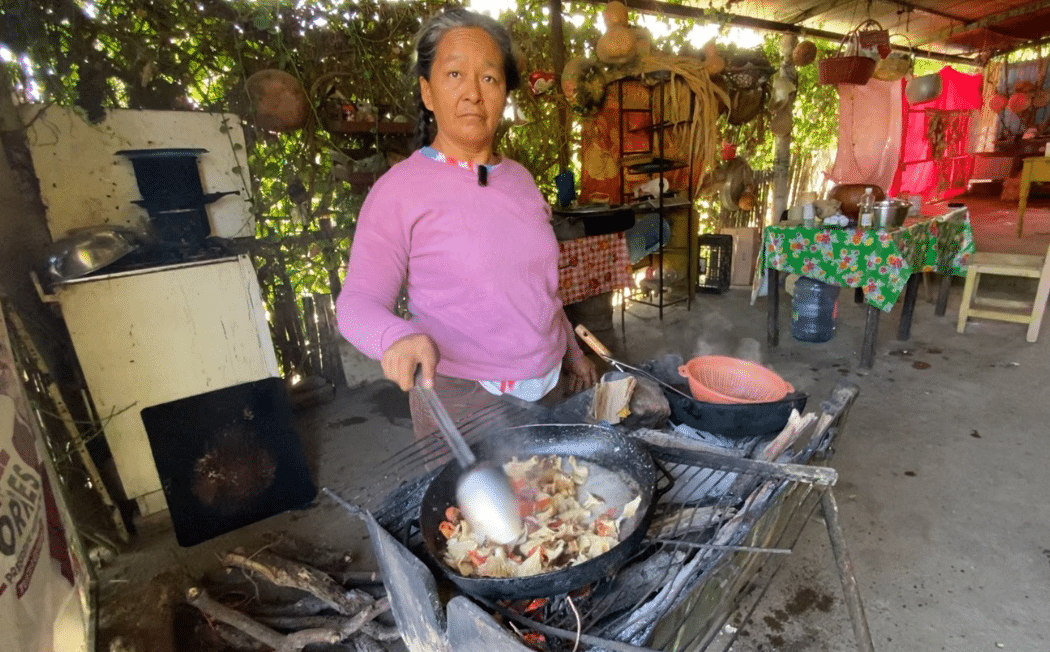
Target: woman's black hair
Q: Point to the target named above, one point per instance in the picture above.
(427, 41)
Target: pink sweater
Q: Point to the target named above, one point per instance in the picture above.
(480, 263)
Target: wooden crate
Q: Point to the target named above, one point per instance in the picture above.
(746, 241)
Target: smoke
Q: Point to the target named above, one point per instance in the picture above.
(718, 336)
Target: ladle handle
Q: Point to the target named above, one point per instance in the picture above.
(592, 341)
(448, 428)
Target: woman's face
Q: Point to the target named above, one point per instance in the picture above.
(466, 91)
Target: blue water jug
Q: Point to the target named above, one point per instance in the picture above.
(814, 310)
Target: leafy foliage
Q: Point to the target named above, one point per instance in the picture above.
(171, 55)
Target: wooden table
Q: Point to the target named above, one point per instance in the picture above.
(884, 265)
(1036, 168)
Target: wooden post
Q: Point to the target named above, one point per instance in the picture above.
(336, 285)
(942, 295)
(850, 590)
(782, 160)
(871, 336)
(328, 332)
(911, 290)
(773, 308)
(558, 61)
(313, 364)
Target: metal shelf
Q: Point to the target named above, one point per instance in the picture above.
(656, 163)
(656, 166)
(665, 124)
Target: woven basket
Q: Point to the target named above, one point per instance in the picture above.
(896, 65)
(871, 35)
(846, 70)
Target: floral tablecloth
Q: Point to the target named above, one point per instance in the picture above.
(591, 266)
(879, 262)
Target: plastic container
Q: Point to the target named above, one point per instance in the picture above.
(809, 217)
(865, 215)
(721, 379)
(814, 310)
(715, 262)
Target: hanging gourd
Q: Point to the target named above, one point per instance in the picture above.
(618, 45)
(714, 64)
(279, 102)
(614, 13)
(804, 53)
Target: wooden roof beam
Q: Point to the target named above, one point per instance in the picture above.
(660, 8)
(826, 5)
(947, 32)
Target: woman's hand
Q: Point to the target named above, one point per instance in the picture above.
(405, 355)
(582, 371)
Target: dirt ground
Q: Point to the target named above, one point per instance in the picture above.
(941, 471)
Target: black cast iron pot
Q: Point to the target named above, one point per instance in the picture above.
(620, 469)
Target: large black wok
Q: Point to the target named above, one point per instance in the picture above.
(620, 469)
(734, 420)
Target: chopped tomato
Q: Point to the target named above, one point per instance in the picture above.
(452, 514)
(447, 529)
(528, 507)
(603, 528)
(477, 557)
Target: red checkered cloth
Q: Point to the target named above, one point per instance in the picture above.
(591, 266)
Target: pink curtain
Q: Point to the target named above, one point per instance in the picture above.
(869, 134)
(934, 159)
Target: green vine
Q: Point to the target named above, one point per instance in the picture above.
(171, 55)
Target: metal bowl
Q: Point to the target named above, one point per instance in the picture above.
(88, 250)
(890, 213)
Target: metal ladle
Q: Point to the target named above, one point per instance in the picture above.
(483, 491)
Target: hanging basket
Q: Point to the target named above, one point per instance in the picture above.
(895, 66)
(846, 69)
(871, 35)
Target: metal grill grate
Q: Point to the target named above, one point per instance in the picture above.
(721, 528)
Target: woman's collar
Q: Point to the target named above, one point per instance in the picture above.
(435, 155)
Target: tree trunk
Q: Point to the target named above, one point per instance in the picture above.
(782, 160)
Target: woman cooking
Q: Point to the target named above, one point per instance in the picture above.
(467, 233)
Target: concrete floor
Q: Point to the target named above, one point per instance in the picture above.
(942, 482)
